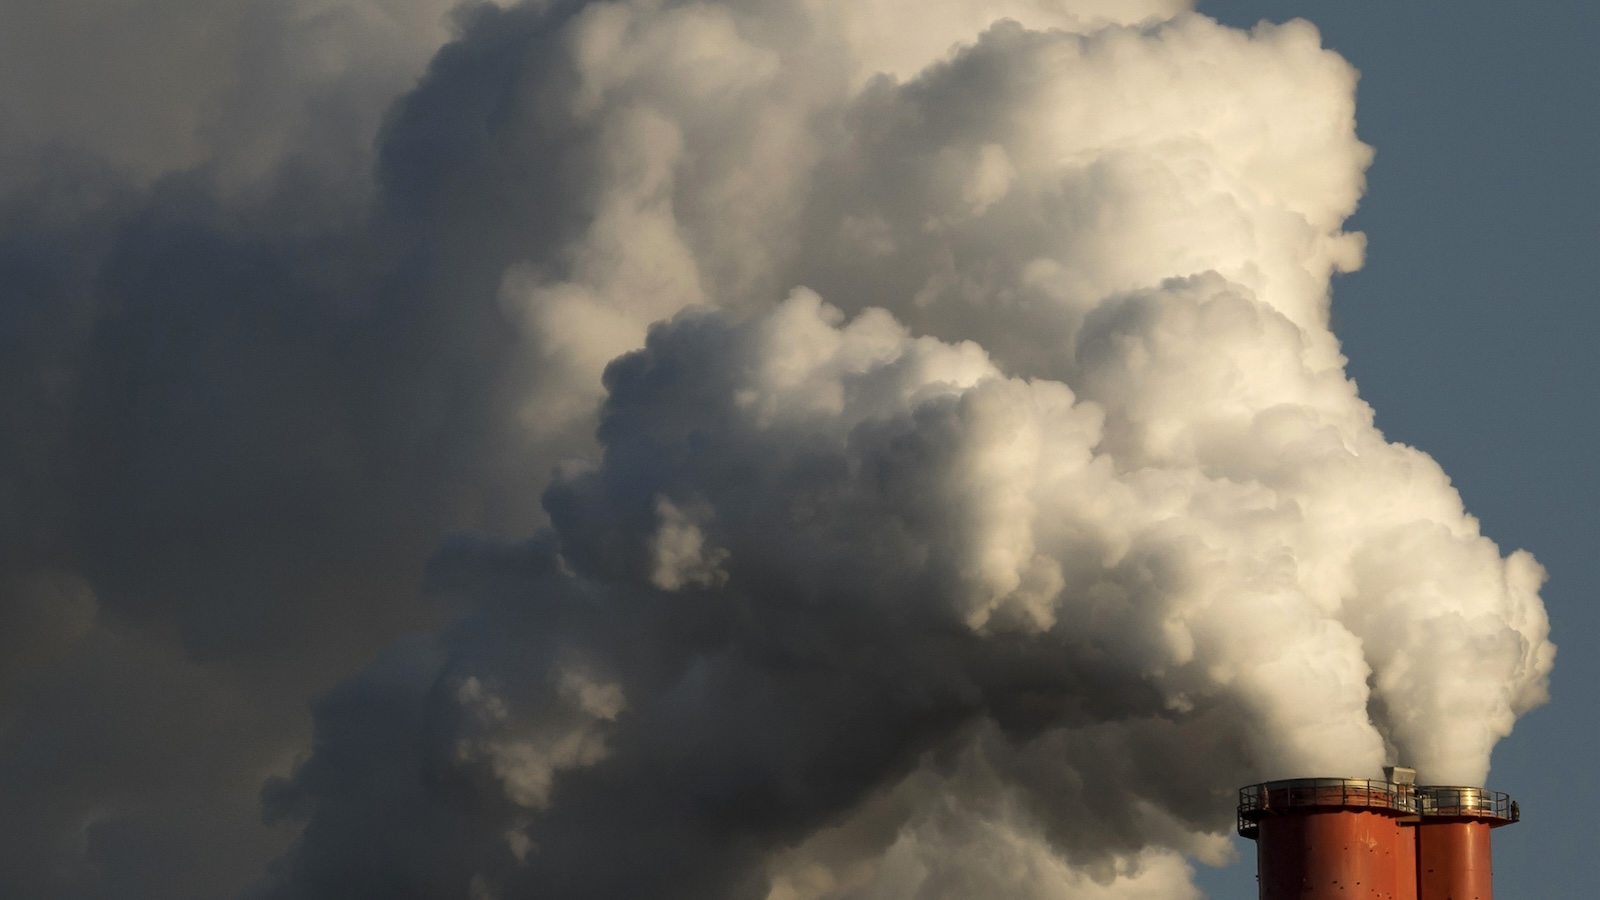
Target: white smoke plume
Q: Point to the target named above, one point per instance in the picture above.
(957, 490)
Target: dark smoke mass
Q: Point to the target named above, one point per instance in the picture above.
(774, 450)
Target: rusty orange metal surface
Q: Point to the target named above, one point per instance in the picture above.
(1360, 839)
(1453, 861)
(1323, 854)
(1407, 863)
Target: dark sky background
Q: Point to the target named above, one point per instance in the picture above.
(1471, 332)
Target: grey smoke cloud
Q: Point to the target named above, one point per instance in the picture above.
(235, 86)
(1038, 516)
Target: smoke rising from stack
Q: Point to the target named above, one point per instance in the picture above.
(957, 489)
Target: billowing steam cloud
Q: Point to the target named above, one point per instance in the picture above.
(957, 491)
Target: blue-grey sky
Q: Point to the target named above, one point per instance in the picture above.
(1471, 330)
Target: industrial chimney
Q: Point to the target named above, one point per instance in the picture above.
(1363, 839)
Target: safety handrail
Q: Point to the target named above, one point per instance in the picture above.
(1424, 801)
(1259, 800)
(1467, 802)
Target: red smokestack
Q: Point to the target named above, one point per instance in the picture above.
(1453, 841)
(1359, 839)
